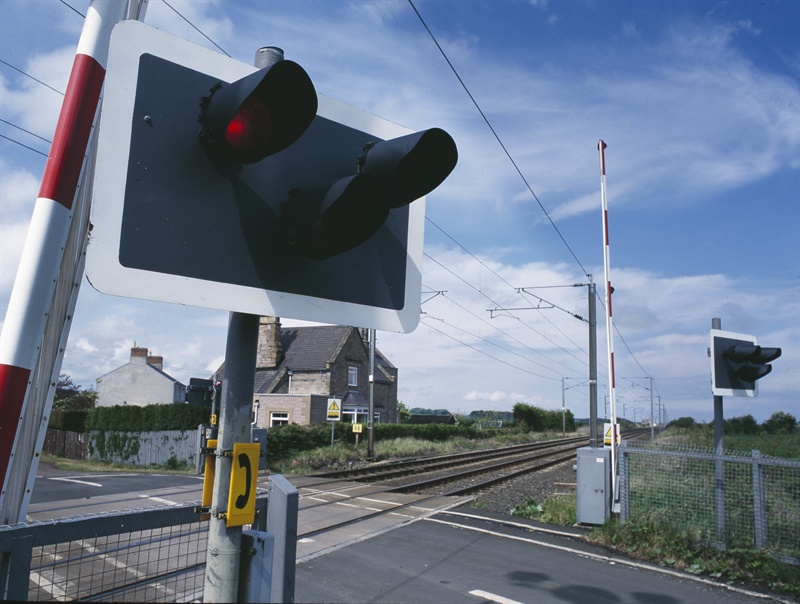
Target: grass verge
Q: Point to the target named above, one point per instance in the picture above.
(683, 549)
(87, 465)
(561, 510)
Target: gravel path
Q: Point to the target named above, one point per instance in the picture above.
(539, 486)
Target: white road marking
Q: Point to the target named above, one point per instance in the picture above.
(159, 500)
(479, 593)
(75, 480)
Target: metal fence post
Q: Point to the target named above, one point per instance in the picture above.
(624, 484)
(759, 501)
(15, 570)
(282, 522)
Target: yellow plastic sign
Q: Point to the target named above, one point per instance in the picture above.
(242, 491)
(334, 409)
(357, 428)
(608, 430)
(208, 477)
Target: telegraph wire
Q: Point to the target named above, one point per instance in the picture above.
(22, 145)
(222, 50)
(490, 356)
(482, 320)
(511, 159)
(73, 8)
(497, 136)
(6, 63)
(49, 142)
(497, 304)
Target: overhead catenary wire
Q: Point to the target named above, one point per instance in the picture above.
(488, 123)
(509, 336)
(497, 137)
(488, 355)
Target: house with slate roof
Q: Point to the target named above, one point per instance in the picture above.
(299, 368)
(142, 381)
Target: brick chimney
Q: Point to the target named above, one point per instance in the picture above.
(156, 361)
(138, 355)
(270, 351)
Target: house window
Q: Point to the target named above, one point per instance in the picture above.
(352, 376)
(278, 418)
(376, 417)
(355, 415)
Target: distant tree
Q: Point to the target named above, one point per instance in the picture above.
(423, 411)
(683, 422)
(402, 412)
(72, 397)
(780, 422)
(745, 424)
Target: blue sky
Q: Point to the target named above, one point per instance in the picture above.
(699, 104)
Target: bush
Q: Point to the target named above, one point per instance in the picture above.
(780, 423)
(741, 425)
(132, 418)
(542, 420)
(69, 420)
(682, 422)
(290, 439)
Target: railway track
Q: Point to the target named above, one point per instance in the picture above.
(443, 476)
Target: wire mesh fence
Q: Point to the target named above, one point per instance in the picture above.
(151, 555)
(737, 499)
(156, 565)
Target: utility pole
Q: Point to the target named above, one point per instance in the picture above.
(592, 364)
(224, 542)
(719, 451)
(370, 419)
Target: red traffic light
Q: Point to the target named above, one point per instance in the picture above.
(261, 114)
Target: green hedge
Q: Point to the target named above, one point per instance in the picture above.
(69, 420)
(287, 440)
(132, 418)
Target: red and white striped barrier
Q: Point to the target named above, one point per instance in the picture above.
(39, 265)
(601, 147)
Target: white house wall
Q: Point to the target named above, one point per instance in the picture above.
(137, 384)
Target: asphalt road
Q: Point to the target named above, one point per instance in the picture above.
(63, 493)
(449, 558)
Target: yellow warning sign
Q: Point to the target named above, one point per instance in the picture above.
(608, 431)
(334, 409)
(242, 490)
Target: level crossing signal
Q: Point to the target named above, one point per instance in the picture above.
(737, 362)
(245, 190)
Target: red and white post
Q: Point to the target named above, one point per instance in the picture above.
(38, 272)
(601, 147)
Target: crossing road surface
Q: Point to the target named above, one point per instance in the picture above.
(463, 558)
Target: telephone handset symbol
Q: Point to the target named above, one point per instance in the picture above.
(244, 462)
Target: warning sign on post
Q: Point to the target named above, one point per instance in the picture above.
(334, 409)
(611, 434)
